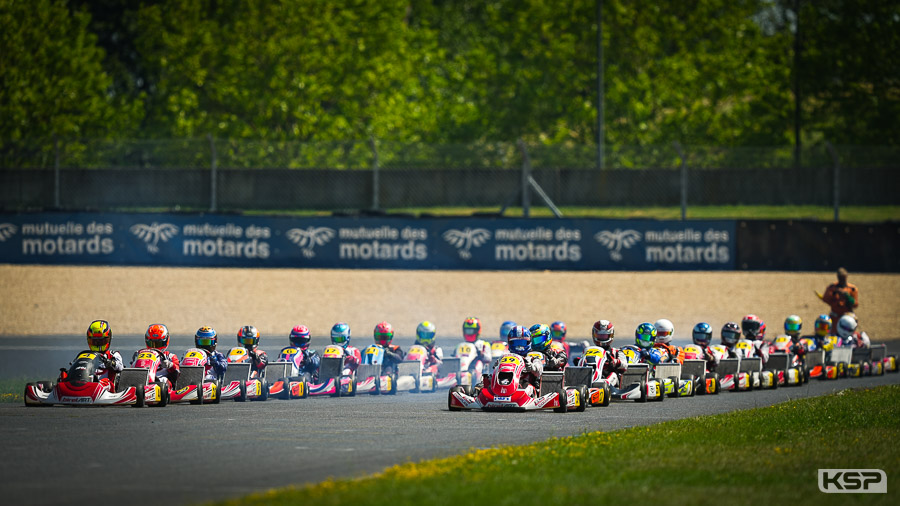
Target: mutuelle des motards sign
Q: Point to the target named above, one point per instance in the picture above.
(383, 242)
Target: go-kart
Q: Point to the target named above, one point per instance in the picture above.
(862, 363)
(879, 353)
(787, 369)
(637, 385)
(599, 387)
(286, 376)
(818, 367)
(240, 382)
(195, 370)
(502, 391)
(159, 391)
(425, 379)
(78, 386)
(470, 368)
(706, 381)
(673, 381)
(370, 377)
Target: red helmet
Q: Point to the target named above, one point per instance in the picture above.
(300, 337)
(157, 336)
(603, 333)
(471, 329)
(753, 328)
(384, 333)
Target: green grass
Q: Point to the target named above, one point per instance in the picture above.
(764, 456)
(823, 213)
(12, 389)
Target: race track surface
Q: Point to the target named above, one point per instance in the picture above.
(186, 454)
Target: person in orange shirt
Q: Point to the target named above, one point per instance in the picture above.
(843, 297)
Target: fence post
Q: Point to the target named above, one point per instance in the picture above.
(684, 182)
(836, 175)
(56, 171)
(526, 176)
(213, 173)
(376, 169)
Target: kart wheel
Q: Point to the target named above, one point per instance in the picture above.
(199, 394)
(286, 388)
(606, 396)
(476, 390)
(263, 391)
(139, 394)
(662, 392)
(164, 396)
(676, 386)
(217, 392)
(393, 390)
(563, 402)
(450, 397)
(45, 386)
(582, 399)
(643, 397)
(242, 396)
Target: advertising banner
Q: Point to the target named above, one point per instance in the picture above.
(365, 242)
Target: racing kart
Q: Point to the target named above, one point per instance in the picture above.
(673, 381)
(742, 374)
(818, 367)
(77, 386)
(422, 378)
(863, 362)
(194, 366)
(503, 391)
(159, 391)
(288, 382)
(240, 382)
(370, 377)
(470, 367)
(706, 381)
(786, 369)
(336, 377)
(879, 353)
(599, 386)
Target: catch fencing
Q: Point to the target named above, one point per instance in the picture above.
(207, 174)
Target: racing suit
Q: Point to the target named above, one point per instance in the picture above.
(651, 356)
(110, 364)
(216, 364)
(555, 358)
(435, 358)
(562, 344)
(352, 358)
(258, 361)
(842, 299)
(311, 363)
(484, 354)
(534, 368)
(712, 361)
(615, 365)
(674, 353)
(761, 348)
(393, 355)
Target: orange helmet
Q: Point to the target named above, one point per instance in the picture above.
(99, 335)
(157, 336)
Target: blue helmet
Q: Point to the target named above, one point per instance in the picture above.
(702, 334)
(505, 327)
(519, 340)
(645, 335)
(340, 334)
(558, 330)
(540, 337)
(206, 338)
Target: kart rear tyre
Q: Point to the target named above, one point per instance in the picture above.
(582, 399)
(242, 396)
(450, 397)
(164, 395)
(139, 395)
(393, 390)
(676, 386)
(199, 394)
(563, 402)
(286, 392)
(263, 391)
(643, 397)
(217, 392)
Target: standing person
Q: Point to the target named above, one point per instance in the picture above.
(843, 297)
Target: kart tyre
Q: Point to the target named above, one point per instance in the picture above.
(842, 369)
(45, 386)
(450, 397)
(676, 386)
(563, 402)
(643, 397)
(662, 394)
(286, 389)
(139, 394)
(199, 399)
(263, 391)
(164, 395)
(393, 390)
(582, 399)
(242, 396)
(377, 389)
(476, 390)
(217, 392)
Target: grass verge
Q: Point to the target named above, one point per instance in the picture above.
(12, 389)
(760, 456)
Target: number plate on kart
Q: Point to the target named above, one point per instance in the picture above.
(503, 399)
(194, 354)
(510, 359)
(89, 356)
(146, 355)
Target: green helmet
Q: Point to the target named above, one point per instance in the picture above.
(645, 335)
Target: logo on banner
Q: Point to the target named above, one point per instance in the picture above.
(6, 231)
(464, 240)
(616, 240)
(310, 238)
(153, 233)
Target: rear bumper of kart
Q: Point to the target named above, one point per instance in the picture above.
(87, 394)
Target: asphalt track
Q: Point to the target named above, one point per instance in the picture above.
(186, 454)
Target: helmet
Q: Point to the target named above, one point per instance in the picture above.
(248, 336)
(823, 325)
(558, 330)
(603, 333)
(645, 335)
(792, 325)
(300, 337)
(540, 337)
(425, 333)
(384, 333)
(206, 338)
(753, 327)
(340, 334)
(664, 331)
(157, 336)
(471, 329)
(504, 328)
(519, 340)
(702, 334)
(731, 333)
(846, 326)
(99, 335)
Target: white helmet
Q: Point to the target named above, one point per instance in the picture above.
(846, 326)
(664, 331)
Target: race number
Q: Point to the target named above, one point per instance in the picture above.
(372, 350)
(89, 356)
(594, 352)
(146, 355)
(290, 351)
(466, 349)
(510, 359)
(333, 351)
(744, 345)
(194, 354)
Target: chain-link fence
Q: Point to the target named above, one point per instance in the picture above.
(237, 175)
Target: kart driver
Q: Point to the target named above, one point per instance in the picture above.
(99, 337)
(157, 338)
(206, 339)
(792, 326)
(848, 330)
(520, 344)
(393, 355)
(340, 336)
(731, 334)
(603, 332)
(472, 334)
(754, 330)
(299, 338)
(425, 337)
(248, 336)
(664, 332)
(701, 335)
(558, 333)
(644, 338)
(555, 357)
(823, 333)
